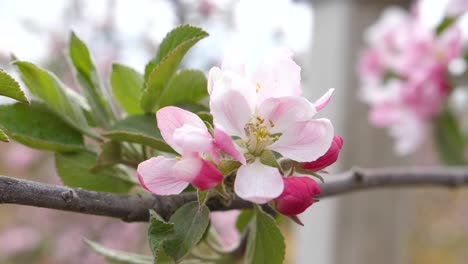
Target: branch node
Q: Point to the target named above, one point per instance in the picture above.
(68, 195)
(358, 175)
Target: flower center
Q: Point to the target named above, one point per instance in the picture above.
(257, 88)
(259, 136)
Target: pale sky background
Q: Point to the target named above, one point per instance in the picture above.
(251, 31)
(255, 22)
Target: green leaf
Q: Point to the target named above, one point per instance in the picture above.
(193, 107)
(45, 86)
(9, 87)
(84, 106)
(185, 86)
(160, 70)
(173, 40)
(159, 230)
(74, 170)
(449, 139)
(265, 244)
(36, 126)
(111, 154)
(141, 129)
(117, 256)
(87, 76)
(206, 116)
(445, 23)
(3, 136)
(243, 219)
(190, 222)
(127, 85)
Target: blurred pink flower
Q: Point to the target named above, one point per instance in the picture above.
(20, 156)
(18, 239)
(224, 225)
(403, 74)
(456, 7)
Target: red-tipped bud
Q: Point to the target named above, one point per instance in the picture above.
(327, 159)
(297, 196)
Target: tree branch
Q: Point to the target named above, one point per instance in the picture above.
(359, 179)
(135, 207)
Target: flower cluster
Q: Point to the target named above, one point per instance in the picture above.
(403, 72)
(262, 124)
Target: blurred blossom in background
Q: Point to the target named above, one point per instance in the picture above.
(404, 74)
(127, 32)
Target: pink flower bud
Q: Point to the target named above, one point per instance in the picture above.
(297, 196)
(327, 159)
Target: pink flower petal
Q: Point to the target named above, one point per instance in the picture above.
(187, 169)
(323, 101)
(282, 112)
(201, 173)
(456, 7)
(193, 139)
(297, 196)
(258, 183)
(171, 118)
(208, 176)
(156, 175)
(278, 76)
(328, 158)
(224, 225)
(305, 141)
(225, 143)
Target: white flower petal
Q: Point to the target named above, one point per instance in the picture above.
(278, 76)
(283, 112)
(258, 183)
(231, 112)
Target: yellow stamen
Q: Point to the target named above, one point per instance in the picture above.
(257, 87)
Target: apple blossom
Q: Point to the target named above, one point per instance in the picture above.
(186, 133)
(266, 113)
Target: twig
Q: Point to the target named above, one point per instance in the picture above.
(135, 207)
(359, 179)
